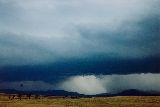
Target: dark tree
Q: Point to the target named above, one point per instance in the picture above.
(9, 97)
(19, 96)
(36, 96)
(29, 95)
(13, 96)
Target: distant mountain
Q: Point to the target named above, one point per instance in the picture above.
(47, 93)
(131, 92)
(135, 92)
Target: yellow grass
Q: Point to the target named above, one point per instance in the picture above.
(119, 101)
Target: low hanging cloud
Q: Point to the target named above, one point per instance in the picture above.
(92, 84)
(84, 85)
(111, 83)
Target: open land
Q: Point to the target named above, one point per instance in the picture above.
(55, 101)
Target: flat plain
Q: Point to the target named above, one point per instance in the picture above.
(116, 101)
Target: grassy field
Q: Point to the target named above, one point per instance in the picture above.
(118, 101)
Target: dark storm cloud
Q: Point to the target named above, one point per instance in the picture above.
(140, 38)
(45, 42)
(18, 50)
(38, 31)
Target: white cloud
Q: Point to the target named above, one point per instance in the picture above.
(111, 83)
(84, 85)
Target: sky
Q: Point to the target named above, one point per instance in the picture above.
(66, 39)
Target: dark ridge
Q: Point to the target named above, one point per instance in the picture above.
(46, 93)
(130, 92)
(135, 92)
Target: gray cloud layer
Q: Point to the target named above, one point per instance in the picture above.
(43, 31)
